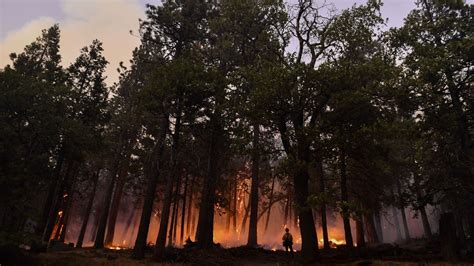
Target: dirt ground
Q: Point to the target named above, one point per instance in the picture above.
(380, 255)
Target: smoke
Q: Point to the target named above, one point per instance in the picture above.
(228, 235)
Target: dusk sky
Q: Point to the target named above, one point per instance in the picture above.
(110, 21)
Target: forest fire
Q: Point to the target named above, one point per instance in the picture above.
(246, 126)
(116, 247)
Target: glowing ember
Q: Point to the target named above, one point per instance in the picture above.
(115, 247)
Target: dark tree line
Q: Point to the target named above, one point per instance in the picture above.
(320, 110)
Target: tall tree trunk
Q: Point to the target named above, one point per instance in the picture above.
(69, 202)
(287, 208)
(426, 223)
(234, 214)
(165, 212)
(246, 216)
(345, 198)
(205, 227)
(360, 232)
(270, 203)
(53, 212)
(190, 207)
(175, 225)
(100, 235)
(174, 212)
(229, 212)
(447, 235)
(152, 177)
(87, 213)
(309, 247)
(404, 218)
(114, 209)
(460, 227)
(183, 210)
(59, 226)
(252, 237)
(322, 190)
(53, 189)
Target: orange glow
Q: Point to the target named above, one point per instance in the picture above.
(115, 247)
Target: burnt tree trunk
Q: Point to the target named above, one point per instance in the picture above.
(100, 235)
(270, 203)
(246, 216)
(87, 213)
(287, 209)
(447, 235)
(345, 198)
(58, 199)
(165, 212)
(205, 227)
(69, 201)
(360, 232)
(190, 206)
(183, 210)
(53, 189)
(153, 175)
(309, 238)
(252, 237)
(114, 209)
(322, 190)
(229, 209)
(234, 214)
(172, 226)
(404, 218)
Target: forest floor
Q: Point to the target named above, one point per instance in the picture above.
(386, 254)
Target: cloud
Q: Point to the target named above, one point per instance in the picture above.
(85, 20)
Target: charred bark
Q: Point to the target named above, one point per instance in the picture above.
(153, 175)
(172, 226)
(205, 227)
(322, 190)
(345, 198)
(117, 197)
(87, 213)
(252, 237)
(183, 210)
(53, 189)
(447, 234)
(68, 203)
(190, 206)
(57, 201)
(100, 235)
(270, 203)
(360, 232)
(165, 213)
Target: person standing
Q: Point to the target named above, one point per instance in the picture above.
(288, 241)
